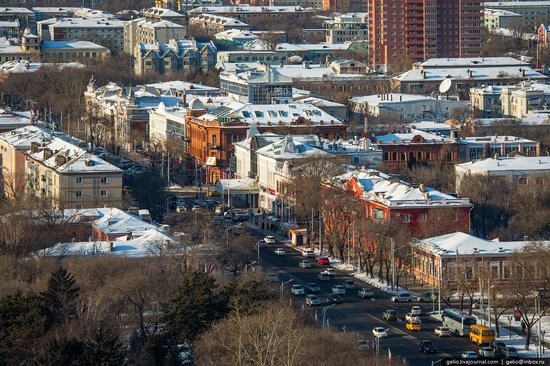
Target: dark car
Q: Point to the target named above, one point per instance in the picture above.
(390, 314)
(427, 347)
(500, 349)
(334, 299)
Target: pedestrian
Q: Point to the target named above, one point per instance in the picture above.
(523, 326)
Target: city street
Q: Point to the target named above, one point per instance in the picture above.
(358, 315)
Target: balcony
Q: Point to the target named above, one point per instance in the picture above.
(214, 146)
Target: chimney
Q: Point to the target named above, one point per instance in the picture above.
(48, 153)
(184, 99)
(400, 98)
(110, 246)
(34, 147)
(60, 160)
(525, 238)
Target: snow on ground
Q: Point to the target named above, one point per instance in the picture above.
(518, 341)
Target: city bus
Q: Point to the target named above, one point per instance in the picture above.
(458, 321)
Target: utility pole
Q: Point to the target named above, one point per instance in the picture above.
(320, 232)
(439, 285)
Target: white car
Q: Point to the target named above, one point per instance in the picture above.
(330, 272)
(365, 293)
(323, 277)
(442, 331)
(487, 352)
(469, 354)
(297, 290)
(416, 310)
(402, 297)
(304, 264)
(308, 253)
(410, 318)
(196, 208)
(338, 290)
(379, 332)
(269, 239)
(280, 251)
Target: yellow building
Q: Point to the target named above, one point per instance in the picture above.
(58, 168)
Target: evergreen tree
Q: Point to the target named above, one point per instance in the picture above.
(23, 321)
(104, 349)
(194, 308)
(61, 296)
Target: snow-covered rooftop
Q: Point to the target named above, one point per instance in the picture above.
(22, 66)
(260, 114)
(508, 165)
(379, 187)
(429, 126)
(248, 9)
(71, 45)
(181, 86)
(481, 68)
(83, 23)
(407, 138)
(462, 244)
(377, 99)
(497, 139)
(289, 149)
(162, 12)
(233, 34)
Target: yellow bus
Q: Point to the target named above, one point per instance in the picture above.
(481, 334)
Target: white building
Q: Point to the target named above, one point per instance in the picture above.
(501, 145)
(406, 107)
(167, 123)
(347, 27)
(496, 19)
(108, 32)
(212, 24)
(533, 13)
(464, 74)
(520, 100)
(517, 169)
(9, 28)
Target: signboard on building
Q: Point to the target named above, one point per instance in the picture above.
(211, 161)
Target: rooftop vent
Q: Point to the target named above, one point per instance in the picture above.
(89, 162)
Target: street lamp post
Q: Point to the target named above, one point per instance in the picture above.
(510, 325)
(392, 242)
(283, 285)
(324, 312)
(249, 264)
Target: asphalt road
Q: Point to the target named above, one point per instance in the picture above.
(358, 315)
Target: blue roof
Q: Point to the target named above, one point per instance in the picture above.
(65, 45)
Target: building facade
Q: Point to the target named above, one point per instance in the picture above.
(107, 32)
(423, 211)
(533, 13)
(176, 56)
(423, 29)
(211, 24)
(144, 31)
(347, 27)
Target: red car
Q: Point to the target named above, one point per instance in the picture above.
(323, 260)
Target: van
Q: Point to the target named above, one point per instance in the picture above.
(480, 334)
(308, 252)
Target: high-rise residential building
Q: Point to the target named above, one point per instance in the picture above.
(415, 30)
(345, 6)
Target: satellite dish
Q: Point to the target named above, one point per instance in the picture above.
(445, 85)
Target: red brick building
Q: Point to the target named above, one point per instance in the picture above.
(423, 29)
(405, 150)
(210, 134)
(425, 211)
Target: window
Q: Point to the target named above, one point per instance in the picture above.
(406, 217)
(78, 194)
(378, 214)
(104, 180)
(423, 217)
(214, 138)
(103, 193)
(78, 180)
(522, 180)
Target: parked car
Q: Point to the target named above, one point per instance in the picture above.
(270, 239)
(330, 272)
(402, 297)
(349, 285)
(389, 314)
(379, 332)
(427, 347)
(334, 299)
(480, 303)
(338, 290)
(409, 317)
(487, 352)
(416, 311)
(297, 290)
(261, 243)
(499, 347)
(313, 300)
(313, 287)
(181, 208)
(469, 354)
(511, 353)
(323, 277)
(413, 325)
(442, 331)
(308, 252)
(304, 264)
(280, 251)
(323, 260)
(196, 208)
(365, 292)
